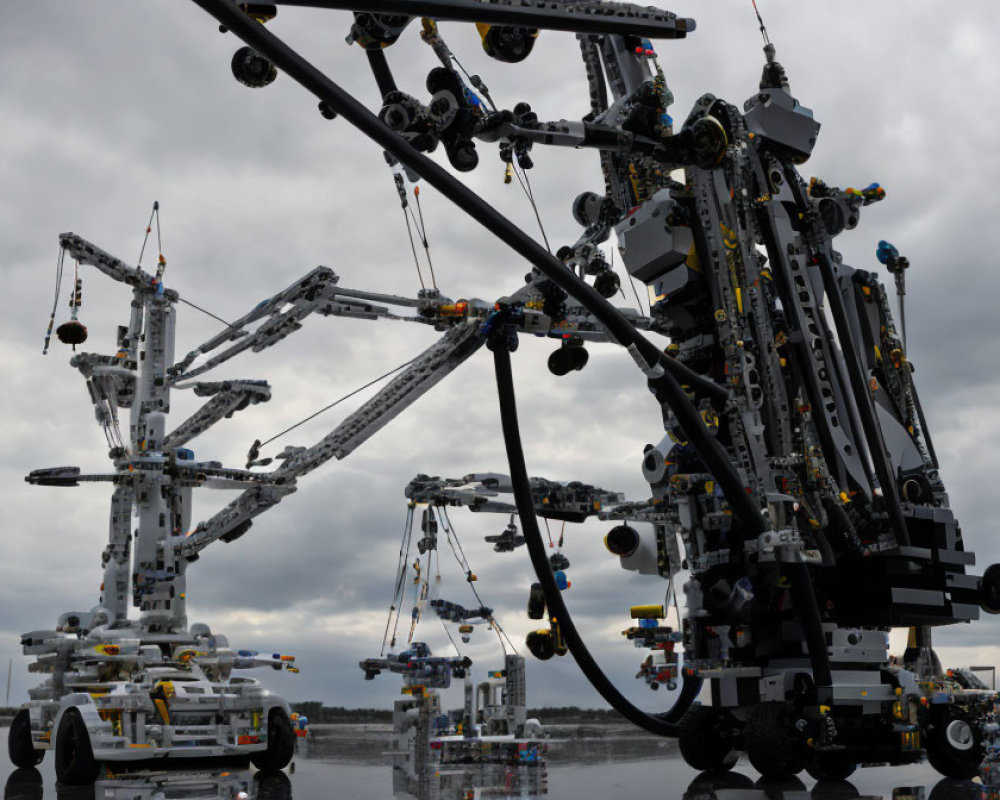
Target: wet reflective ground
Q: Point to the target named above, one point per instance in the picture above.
(580, 767)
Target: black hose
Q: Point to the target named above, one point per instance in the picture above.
(380, 69)
(662, 724)
(804, 598)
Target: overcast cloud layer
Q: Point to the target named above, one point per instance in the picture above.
(108, 106)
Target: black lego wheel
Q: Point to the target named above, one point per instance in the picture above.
(773, 745)
(706, 740)
(280, 742)
(989, 590)
(954, 747)
(75, 762)
(272, 785)
(24, 783)
(20, 748)
(830, 767)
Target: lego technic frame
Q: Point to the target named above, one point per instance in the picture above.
(795, 450)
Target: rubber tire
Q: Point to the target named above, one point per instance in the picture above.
(20, 748)
(775, 750)
(24, 784)
(272, 785)
(943, 755)
(989, 590)
(701, 745)
(75, 762)
(280, 742)
(829, 767)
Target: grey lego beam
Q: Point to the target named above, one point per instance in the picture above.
(576, 17)
(86, 253)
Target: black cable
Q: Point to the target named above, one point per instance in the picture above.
(804, 598)
(662, 724)
(380, 69)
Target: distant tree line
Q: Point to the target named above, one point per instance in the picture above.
(338, 715)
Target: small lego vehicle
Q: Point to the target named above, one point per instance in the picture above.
(114, 697)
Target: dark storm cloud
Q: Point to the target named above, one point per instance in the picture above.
(109, 106)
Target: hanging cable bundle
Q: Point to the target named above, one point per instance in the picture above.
(60, 261)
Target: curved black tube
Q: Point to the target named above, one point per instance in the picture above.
(804, 598)
(662, 724)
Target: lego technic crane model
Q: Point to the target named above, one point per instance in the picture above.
(126, 689)
(795, 468)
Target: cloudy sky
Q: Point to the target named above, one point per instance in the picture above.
(106, 107)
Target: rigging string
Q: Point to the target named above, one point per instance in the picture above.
(470, 575)
(526, 186)
(763, 30)
(347, 396)
(423, 236)
(60, 263)
(149, 230)
(407, 213)
(209, 313)
(548, 531)
(161, 262)
(638, 302)
(436, 594)
(404, 548)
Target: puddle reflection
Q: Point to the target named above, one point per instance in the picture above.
(320, 779)
(27, 784)
(735, 786)
(467, 781)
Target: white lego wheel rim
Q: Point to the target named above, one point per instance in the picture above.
(959, 734)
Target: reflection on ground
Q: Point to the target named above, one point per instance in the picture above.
(223, 784)
(736, 786)
(601, 774)
(465, 781)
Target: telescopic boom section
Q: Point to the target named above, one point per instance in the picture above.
(576, 17)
